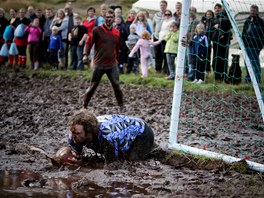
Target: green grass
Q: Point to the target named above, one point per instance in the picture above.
(154, 80)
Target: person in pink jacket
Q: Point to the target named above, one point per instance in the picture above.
(34, 34)
(144, 44)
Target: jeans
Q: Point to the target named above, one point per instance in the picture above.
(171, 63)
(76, 57)
(253, 55)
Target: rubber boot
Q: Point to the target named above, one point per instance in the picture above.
(10, 60)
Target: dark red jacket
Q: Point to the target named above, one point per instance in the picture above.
(107, 45)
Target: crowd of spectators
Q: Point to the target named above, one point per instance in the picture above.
(33, 30)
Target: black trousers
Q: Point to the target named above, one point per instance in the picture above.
(220, 61)
(142, 145)
(113, 76)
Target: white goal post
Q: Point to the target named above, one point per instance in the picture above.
(178, 86)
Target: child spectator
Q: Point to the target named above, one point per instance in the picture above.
(199, 49)
(34, 35)
(119, 24)
(20, 38)
(144, 43)
(3, 24)
(133, 62)
(55, 46)
(100, 20)
(77, 38)
(171, 48)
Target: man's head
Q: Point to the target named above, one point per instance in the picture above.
(83, 126)
(109, 18)
(22, 13)
(163, 5)
(68, 8)
(217, 8)
(48, 12)
(254, 10)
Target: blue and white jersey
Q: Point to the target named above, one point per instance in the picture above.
(120, 130)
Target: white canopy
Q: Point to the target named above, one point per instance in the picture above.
(202, 6)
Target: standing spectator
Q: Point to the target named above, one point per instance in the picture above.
(199, 49)
(106, 39)
(21, 40)
(177, 13)
(118, 11)
(157, 22)
(190, 65)
(13, 22)
(70, 16)
(171, 48)
(62, 23)
(90, 23)
(131, 17)
(141, 24)
(3, 24)
(133, 62)
(100, 19)
(149, 21)
(54, 47)
(144, 44)
(253, 37)
(119, 24)
(221, 37)
(207, 21)
(77, 39)
(42, 20)
(164, 30)
(47, 33)
(31, 13)
(34, 35)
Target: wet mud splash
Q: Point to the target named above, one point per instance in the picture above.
(34, 112)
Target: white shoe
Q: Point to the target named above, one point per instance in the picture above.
(200, 81)
(195, 81)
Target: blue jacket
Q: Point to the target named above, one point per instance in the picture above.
(199, 45)
(55, 42)
(118, 130)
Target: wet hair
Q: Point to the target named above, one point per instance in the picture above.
(85, 118)
(145, 35)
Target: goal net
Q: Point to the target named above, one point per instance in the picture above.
(222, 116)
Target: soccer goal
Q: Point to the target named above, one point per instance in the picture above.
(219, 119)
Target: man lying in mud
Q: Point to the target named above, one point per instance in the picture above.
(111, 137)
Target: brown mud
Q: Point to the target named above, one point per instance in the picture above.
(34, 112)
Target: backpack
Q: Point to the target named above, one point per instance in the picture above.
(8, 33)
(4, 50)
(13, 49)
(20, 31)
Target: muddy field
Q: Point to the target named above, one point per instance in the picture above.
(34, 112)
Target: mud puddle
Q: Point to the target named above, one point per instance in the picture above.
(25, 183)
